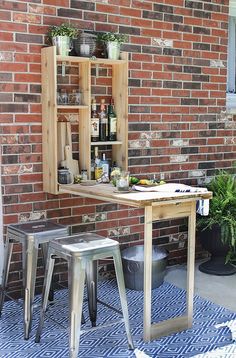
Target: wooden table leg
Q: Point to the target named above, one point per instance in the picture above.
(147, 273)
(168, 211)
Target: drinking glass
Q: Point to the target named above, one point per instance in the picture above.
(122, 181)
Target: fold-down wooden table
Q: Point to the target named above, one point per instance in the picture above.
(157, 206)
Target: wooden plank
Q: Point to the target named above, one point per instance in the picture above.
(61, 142)
(106, 192)
(67, 106)
(190, 263)
(164, 212)
(147, 292)
(120, 95)
(84, 118)
(168, 327)
(49, 120)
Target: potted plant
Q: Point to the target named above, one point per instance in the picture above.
(61, 36)
(112, 41)
(218, 229)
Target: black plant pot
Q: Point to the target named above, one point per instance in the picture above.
(211, 241)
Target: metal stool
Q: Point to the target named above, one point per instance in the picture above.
(80, 251)
(30, 235)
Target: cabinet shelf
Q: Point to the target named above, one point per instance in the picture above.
(55, 133)
(67, 106)
(108, 142)
(76, 59)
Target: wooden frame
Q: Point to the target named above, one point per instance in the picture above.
(52, 152)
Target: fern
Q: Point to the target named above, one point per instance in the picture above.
(222, 211)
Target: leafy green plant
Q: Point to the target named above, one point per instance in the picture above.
(222, 211)
(111, 37)
(63, 30)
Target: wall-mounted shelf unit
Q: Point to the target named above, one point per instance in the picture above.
(52, 139)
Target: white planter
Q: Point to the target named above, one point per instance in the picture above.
(113, 50)
(63, 45)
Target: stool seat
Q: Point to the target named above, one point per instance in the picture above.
(81, 251)
(30, 235)
(83, 244)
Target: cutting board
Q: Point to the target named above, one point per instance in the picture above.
(69, 162)
(61, 142)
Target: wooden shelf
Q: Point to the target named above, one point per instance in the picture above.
(53, 130)
(108, 142)
(102, 61)
(68, 106)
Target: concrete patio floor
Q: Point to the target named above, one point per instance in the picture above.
(218, 289)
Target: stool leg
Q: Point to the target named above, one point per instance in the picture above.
(29, 274)
(6, 266)
(91, 280)
(44, 248)
(45, 293)
(76, 279)
(123, 300)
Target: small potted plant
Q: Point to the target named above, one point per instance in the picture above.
(61, 36)
(113, 42)
(217, 231)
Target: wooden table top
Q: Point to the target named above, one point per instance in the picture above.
(107, 192)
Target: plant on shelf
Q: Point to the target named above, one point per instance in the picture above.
(113, 41)
(218, 229)
(61, 36)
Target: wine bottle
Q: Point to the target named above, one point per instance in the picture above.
(112, 122)
(94, 122)
(103, 122)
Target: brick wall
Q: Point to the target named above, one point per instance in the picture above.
(178, 126)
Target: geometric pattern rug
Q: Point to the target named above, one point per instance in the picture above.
(167, 301)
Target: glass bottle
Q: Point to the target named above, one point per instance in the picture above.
(112, 122)
(98, 168)
(103, 122)
(105, 166)
(94, 122)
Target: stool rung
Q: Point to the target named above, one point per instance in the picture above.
(109, 306)
(105, 325)
(13, 299)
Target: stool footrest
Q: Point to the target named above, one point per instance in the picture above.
(109, 306)
(105, 325)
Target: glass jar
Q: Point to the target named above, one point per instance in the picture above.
(75, 97)
(63, 96)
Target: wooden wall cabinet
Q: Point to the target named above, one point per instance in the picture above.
(52, 146)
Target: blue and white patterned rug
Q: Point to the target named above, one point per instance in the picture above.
(168, 301)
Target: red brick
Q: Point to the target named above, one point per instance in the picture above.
(130, 12)
(61, 3)
(30, 78)
(38, 9)
(14, 67)
(26, 18)
(6, 36)
(109, 9)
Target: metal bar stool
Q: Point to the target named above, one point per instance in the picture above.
(80, 251)
(30, 235)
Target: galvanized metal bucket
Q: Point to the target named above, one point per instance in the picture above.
(133, 266)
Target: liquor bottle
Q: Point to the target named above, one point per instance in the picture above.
(105, 166)
(112, 122)
(93, 165)
(98, 168)
(103, 122)
(94, 122)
